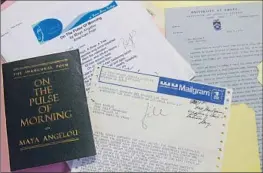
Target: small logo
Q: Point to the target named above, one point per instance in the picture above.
(51, 28)
(168, 85)
(217, 24)
(217, 95)
(165, 84)
(174, 85)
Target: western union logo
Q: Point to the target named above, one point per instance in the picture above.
(168, 84)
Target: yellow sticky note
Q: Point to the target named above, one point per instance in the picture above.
(157, 14)
(260, 73)
(241, 148)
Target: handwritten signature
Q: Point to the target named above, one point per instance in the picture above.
(151, 111)
(128, 42)
(203, 113)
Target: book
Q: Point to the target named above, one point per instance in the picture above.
(46, 108)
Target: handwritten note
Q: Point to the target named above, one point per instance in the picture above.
(202, 112)
(151, 112)
(129, 41)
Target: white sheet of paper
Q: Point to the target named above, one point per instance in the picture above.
(224, 47)
(145, 123)
(118, 34)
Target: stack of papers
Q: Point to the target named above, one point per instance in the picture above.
(225, 48)
(145, 113)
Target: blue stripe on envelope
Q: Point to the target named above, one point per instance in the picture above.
(191, 90)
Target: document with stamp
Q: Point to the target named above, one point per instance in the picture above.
(224, 48)
(149, 123)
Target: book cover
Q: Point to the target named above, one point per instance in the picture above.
(46, 108)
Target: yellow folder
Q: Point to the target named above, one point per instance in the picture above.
(241, 148)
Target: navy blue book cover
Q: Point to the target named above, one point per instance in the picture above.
(46, 108)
